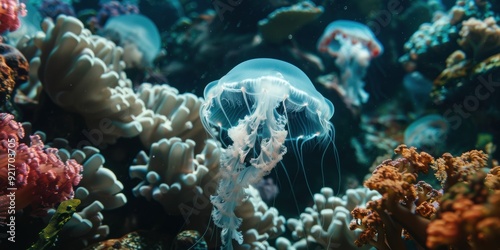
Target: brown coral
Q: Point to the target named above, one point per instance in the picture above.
(395, 180)
(469, 217)
(451, 170)
(482, 37)
(492, 179)
(14, 70)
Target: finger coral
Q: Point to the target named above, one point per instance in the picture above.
(327, 222)
(74, 73)
(174, 115)
(259, 222)
(173, 176)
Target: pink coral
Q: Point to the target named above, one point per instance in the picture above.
(9, 15)
(41, 179)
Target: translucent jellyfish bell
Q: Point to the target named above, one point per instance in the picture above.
(237, 94)
(428, 133)
(138, 30)
(261, 103)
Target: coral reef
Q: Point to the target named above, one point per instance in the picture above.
(481, 38)
(283, 22)
(14, 70)
(173, 176)
(468, 215)
(462, 215)
(35, 175)
(108, 10)
(259, 222)
(110, 105)
(9, 15)
(142, 159)
(54, 8)
(174, 115)
(327, 223)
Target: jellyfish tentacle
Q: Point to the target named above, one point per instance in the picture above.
(236, 174)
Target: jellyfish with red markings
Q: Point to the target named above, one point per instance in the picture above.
(353, 45)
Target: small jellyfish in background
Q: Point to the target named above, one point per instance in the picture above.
(260, 104)
(138, 36)
(268, 190)
(428, 133)
(353, 45)
(419, 89)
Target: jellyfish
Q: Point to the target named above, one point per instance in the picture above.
(138, 35)
(427, 133)
(419, 89)
(260, 104)
(353, 45)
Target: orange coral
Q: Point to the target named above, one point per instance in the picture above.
(451, 170)
(492, 179)
(370, 222)
(466, 216)
(395, 180)
(469, 217)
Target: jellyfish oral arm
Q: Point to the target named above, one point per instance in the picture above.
(237, 174)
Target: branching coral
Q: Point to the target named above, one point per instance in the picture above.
(469, 217)
(428, 47)
(41, 180)
(383, 220)
(464, 215)
(452, 170)
(492, 179)
(327, 222)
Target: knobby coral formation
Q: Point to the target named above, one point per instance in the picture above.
(74, 73)
(173, 176)
(173, 114)
(327, 222)
(98, 190)
(259, 222)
